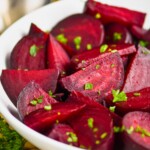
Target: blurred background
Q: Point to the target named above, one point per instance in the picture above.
(11, 10)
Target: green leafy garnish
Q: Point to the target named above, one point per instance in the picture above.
(88, 46)
(88, 86)
(61, 38)
(143, 131)
(77, 41)
(36, 101)
(130, 130)
(117, 36)
(9, 139)
(103, 135)
(90, 122)
(112, 108)
(72, 137)
(33, 50)
(103, 48)
(119, 96)
(143, 43)
(136, 94)
(51, 94)
(48, 107)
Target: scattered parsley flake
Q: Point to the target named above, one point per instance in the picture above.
(103, 135)
(77, 41)
(33, 102)
(112, 65)
(51, 93)
(130, 130)
(143, 131)
(114, 51)
(72, 137)
(143, 43)
(88, 46)
(61, 38)
(47, 107)
(88, 86)
(103, 48)
(90, 122)
(117, 36)
(97, 66)
(136, 94)
(97, 15)
(119, 96)
(33, 50)
(95, 129)
(145, 51)
(112, 108)
(97, 142)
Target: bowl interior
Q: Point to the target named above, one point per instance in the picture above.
(46, 17)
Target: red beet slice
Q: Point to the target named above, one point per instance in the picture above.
(14, 81)
(138, 126)
(41, 119)
(30, 51)
(138, 72)
(117, 34)
(64, 133)
(35, 30)
(72, 33)
(84, 59)
(57, 56)
(98, 79)
(141, 34)
(94, 128)
(136, 101)
(108, 14)
(31, 98)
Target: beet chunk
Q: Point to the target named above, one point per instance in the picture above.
(84, 59)
(117, 34)
(14, 81)
(64, 133)
(31, 98)
(137, 125)
(78, 33)
(57, 56)
(42, 119)
(137, 76)
(30, 51)
(136, 101)
(94, 128)
(109, 14)
(98, 79)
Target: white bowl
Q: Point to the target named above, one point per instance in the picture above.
(46, 17)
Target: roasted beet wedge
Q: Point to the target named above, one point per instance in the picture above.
(14, 81)
(31, 98)
(108, 14)
(142, 34)
(98, 79)
(57, 57)
(42, 119)
(137, 126)
(72, 33)
(137, 76)
(94, 128)
(84, 59)
(30, 52)
(117, 34)
(64, 133)
(136, 101)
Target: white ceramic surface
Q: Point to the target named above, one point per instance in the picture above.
(46, 18)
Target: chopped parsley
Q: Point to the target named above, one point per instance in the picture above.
(72, 137)
(90, 122)
(117, 36)
(144, 132)
(33, 50)
(112, 108)
(143, 43)
(136, 94)
(47, 107)
(130, 130)
(77, 41)
(119, 96)
(104, 135)
(61, 38)
(97, 66)
(88, 86)
(97, 15)
(51, 93)
(103, 48)
(36, 101)
(88, 46)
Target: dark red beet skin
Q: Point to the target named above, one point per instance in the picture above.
(138, 123)
(41, 120)
(108, 14)
(13, 81)
(137, 76)
(72, 33)
(98, 79)
(31, 98)
(117, 34)
(62, 133)
(94, 128)
(30, 51)
(57, 58)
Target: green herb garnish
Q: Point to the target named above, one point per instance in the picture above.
(90, 122)
(72, 137)
(77, 41)
(88, 46)
(33, 50)
(103, 48)
(119, 96)
(88, 86)
(48, 107)
(62, 39)
(117, 36)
